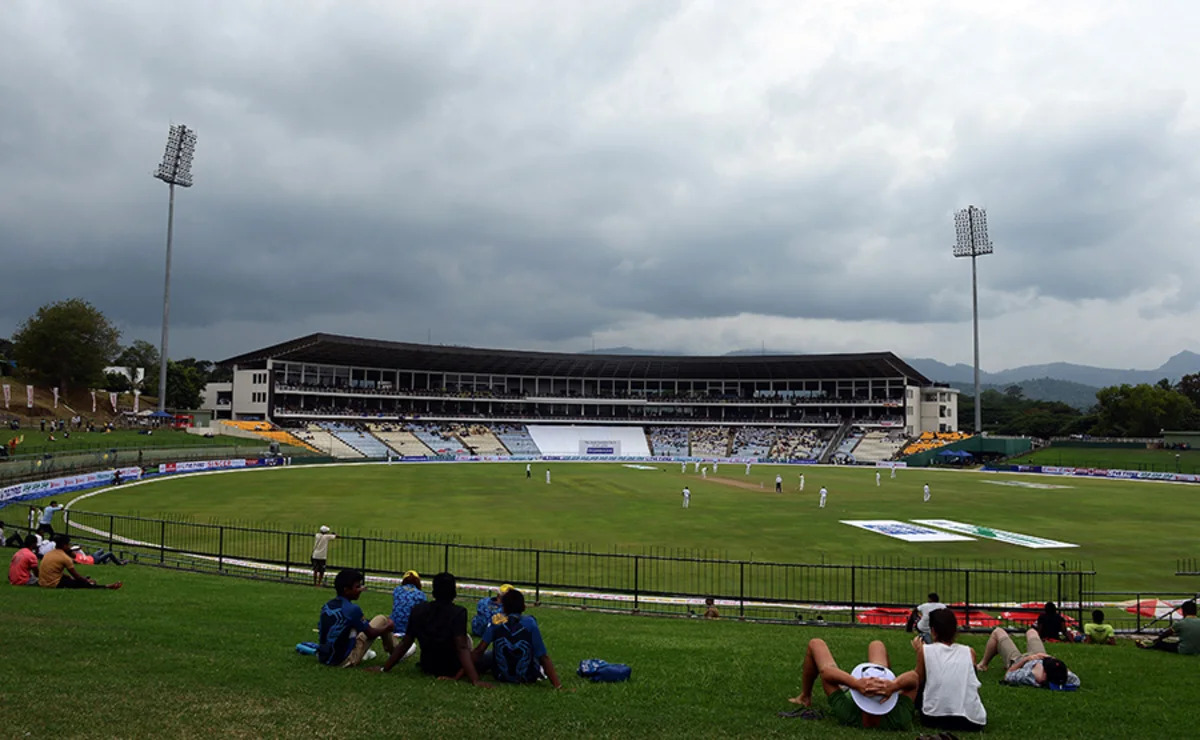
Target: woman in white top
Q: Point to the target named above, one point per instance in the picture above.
(949, 697)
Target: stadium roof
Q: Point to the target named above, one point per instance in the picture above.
(332, 349)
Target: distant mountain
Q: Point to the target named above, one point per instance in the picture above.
(628, 351)
(1078, 395)
(1181, 364)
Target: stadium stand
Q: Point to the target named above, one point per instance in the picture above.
(573, 440)
(753, 441)
(878, 446)
(361, 441)
(402, 441)
(439, 438)
(710, 442)
(267, 431)
(845, 448)
(328, 443)
(480, 440)
(668, 440)
(516, 438)
(933, 440)
(800, 444)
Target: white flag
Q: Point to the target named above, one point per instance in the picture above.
(29, 396)
(112, 398)
(136, 396)
(93, 402)
(55, 398)
(7, 394)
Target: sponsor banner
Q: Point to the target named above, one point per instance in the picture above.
(112, 398)
(1025, 484)
(599, 447)
(193, 466)
(999, 535)
(904, 531)
(639, 467)
(1120, 474)
(890, 464)
(52, 486)
(599, 451)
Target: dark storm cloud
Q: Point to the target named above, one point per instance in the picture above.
(504, 176)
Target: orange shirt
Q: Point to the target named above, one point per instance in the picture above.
(21, 567)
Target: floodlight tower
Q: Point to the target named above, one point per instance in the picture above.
(970, 229)
(176, 169)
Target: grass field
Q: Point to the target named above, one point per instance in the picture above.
(1163, 461)
(1132, 532)
(183, 655)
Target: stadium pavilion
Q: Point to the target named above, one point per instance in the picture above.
(325, 377)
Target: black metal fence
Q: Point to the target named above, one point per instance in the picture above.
(649, 581)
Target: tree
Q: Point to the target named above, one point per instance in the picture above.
(185, 382)
(141, 354)
(1189, 385)
(1141, 410)
(67, 343)
(116, 382)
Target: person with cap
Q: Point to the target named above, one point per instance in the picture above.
(320, 554)
(869, 696)
(58, 570)
(487, 608)
(949, 688)
(344, 634)
(440, 628)
(1035, 667)
(404, 597)
(518, 652)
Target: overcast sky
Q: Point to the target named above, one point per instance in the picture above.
(695, 177)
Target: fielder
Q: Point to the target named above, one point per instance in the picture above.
(687, 497)
(824, 493)
(778, 483)
(704, 472)
(878, 476)
(802, 481)
(926, 493)
(747, 468)
(547, 476)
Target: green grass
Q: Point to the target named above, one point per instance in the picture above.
(37, 442)
(1132, 532)
(183, 655)
(1162, 461)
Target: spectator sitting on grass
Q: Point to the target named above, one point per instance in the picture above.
(345, 636)
(920, 616)
(487, 608)
(1187, 629)
(1034, 667)
(869, 696)
(58, 570)
(518, 653)
(440, 628)
(1097, 632)
(23, 568)
(1050, 624)
(404, 597)
(950, 691)
(710, 609)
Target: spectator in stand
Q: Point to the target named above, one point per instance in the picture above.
(949, 688)
(1186, 629)
(1050, 625)
(23, 568)
(58, 570)
(518, 653)
(1097, 632)
(345, 636)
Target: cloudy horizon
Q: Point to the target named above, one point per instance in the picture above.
(687, 177)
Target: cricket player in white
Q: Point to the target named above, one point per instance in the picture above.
(926, 493)
(687, 496)
(683, 467)
(802, 481)
(878, 475)
(704, 472)
(778, 483)
(824, 493)
(547, 476)
(747, 468)
(528, 470)
(696, 468)
(715, 466)
(893, 471)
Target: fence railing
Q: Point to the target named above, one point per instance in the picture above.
(644, 582)
(1145, 612)
(69, 462)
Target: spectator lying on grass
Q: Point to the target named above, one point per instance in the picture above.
(869, 696)
(950, 691)
(1187, 629)
(518, 653)
(345, 636)
(440, 628)
(1034, 667)
(58, 570)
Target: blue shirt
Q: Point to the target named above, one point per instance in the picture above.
(48, 514)
(340, 620)
(404, 598)
(517, 648)
(487, 608)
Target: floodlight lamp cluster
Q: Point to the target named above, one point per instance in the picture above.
(176, 167)
(970, 230)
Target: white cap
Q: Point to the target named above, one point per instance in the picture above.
(324, 529)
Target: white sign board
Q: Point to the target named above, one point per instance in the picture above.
(904, 530)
